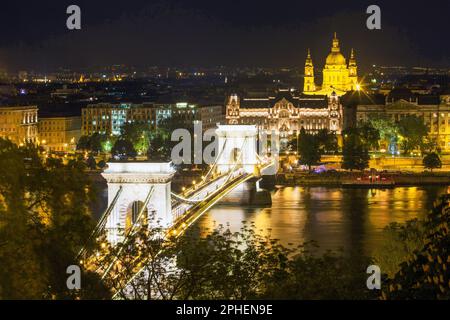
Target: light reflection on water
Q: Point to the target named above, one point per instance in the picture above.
(351, 219)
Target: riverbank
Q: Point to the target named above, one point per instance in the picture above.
(338, 178)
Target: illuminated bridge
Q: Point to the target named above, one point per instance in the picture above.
(138, 189)
(142, 190)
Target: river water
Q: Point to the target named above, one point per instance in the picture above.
(336, 218)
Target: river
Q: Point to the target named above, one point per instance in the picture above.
(336, 218)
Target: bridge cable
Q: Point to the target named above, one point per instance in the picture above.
(102, 222)
(144, 206)
(210, 195)
(183, 199)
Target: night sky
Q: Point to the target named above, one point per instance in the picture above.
(33, 34)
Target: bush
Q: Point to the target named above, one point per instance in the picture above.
(101, 164)
(432, 161)
(426, 275)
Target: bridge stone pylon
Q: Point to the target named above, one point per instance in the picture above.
(237, 147)
(131, 183)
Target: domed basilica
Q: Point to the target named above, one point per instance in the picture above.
(338, 77)
(288, 111)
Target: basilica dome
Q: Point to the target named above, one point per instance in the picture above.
(337, 76)
(335, 58)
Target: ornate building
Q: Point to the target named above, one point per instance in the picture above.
(402, 102)
(338, 77)
(287, 112)
(19, 123)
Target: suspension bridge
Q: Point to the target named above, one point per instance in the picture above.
(137, 190)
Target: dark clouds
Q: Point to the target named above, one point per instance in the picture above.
(184, 32)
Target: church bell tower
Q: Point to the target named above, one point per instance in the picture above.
(309, 85)
(352, 71)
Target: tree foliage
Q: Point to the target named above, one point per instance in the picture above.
(327, 141)
(432, 161)
(387, 129)
(138, 134)
(355, 150)
(225, 265)
(123, 150)
(412, 131)
(96, 143)
(44, 221)
(399, 243)
(160, 146)
(308, 149)
(90, 162)
(368, 135)
(426, 274)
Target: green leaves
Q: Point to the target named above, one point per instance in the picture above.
(96, 143)
(432, 161)
(218, 264)
(412, 131)
(425, 274)
(355, 150)
(44, 221)
(309, 149)
(123, 149)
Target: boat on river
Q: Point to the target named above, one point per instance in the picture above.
(372, 181)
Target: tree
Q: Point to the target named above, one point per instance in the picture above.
(412, 131)
(160, 146)
(425, 275)
(90, 162)
(101, 164)
(430, 145)
(327, 141)
(308, 148)
(387, 129)
(123, 150)
(107, 143)
(432, 161)
(369, 135)
(355, 152)
(44, 221)
(399, 243)
(83, 143)
(225, 265)
(330, 276)
(138, 134)
(292, 144)
(95, 143)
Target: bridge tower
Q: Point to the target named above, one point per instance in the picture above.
(137, 187)
(237, 145)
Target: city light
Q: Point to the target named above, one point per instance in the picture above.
(295, 151)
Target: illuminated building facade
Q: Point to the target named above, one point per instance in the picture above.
(286, 113)
(208, 114)
(338, 77)
(59, 133)
(399, 103)
(19, 123)
(318, 107)
(108, 118)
